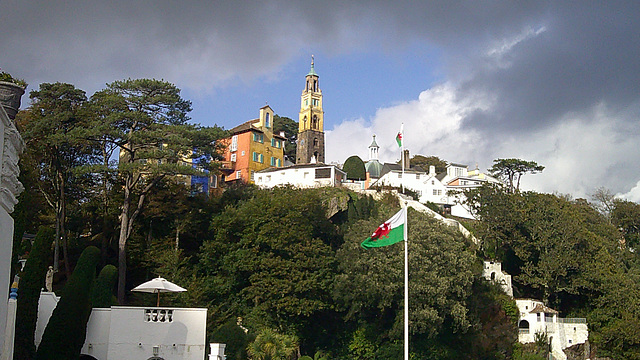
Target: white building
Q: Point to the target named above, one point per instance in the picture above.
(493, 271)
(125, 332)
(536, 318)
(562, 333)
(11, 146)
(301, 176)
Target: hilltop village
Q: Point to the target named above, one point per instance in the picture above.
(256, 247)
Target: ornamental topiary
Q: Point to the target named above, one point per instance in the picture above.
(102, 294)
(31, 281)
(67, 328)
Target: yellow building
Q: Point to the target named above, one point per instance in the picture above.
(253, 146)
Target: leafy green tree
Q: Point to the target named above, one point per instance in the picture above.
(47, 129)
(511, 171)
(102, 291)
(66, 330)
(30, 284)
(625, 215)
(425, 161)
(370, 282)
(154, 140)
(290, 129)
(271, 261)
(236, 339)
(270, 345)
(354, 167)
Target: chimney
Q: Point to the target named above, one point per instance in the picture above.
(407, 159)
(432, 170)
(282, 133)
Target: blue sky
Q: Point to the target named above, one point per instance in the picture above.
(473, 81)
(353, 86)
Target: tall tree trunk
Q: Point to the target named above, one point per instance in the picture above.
(106, 232)
(122, 244)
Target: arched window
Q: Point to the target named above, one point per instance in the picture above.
(314, 124)
(493, 276)
(267, 120)
(315, 141)
(523, 326)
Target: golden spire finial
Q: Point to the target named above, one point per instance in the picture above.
(312, 60)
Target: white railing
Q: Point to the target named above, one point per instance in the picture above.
(572, 320)
(158, 315)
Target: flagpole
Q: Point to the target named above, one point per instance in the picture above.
(402, 155)
(406, 285)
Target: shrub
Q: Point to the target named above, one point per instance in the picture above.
(31, 282)
(67, 328)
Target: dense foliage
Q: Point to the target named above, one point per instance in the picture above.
(67, 328)
(31, 281)
(354, 167)
(284, 266)
(569, 255)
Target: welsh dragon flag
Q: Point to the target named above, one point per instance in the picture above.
(390, 232)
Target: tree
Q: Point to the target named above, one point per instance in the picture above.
(511, 170)
(47, 129)
(30, 285)
(155, 141)
(625, 215)
(271, 261)
(426, 161)
(269, 345)
(66, 330)
(354, 167)
(290, 128)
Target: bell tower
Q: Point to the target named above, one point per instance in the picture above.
(310, 146)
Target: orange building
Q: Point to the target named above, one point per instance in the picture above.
(253, 146)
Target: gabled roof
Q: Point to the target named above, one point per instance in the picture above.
(246, 126)
(539, 308)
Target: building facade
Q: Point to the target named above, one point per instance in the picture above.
(301, 176)
(253, 147)
(310, 147)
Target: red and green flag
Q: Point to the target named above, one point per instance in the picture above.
(399, 139)
(389, 233)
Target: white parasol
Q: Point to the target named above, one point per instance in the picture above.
(158, 285)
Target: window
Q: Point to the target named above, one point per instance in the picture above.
(252, 175)
(276, 143)
(257, 157)
(242, 152)
(214, 181)
(267, 120)
(276, 162)
(234, 143)
(233, 157)
(315, 102)
(437, 192)
(238, 174)
(268, 178)
(538, 317)
(418, 176)
(258, 138)
(399, 175)
(433, 182)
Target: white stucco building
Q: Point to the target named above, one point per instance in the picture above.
(11, 146)
(537, 318)
(126, 332)
(562, 333)
(301, 176)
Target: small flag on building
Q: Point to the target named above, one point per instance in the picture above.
(389, 233)
(399, 139)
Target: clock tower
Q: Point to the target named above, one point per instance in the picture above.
(310, 146)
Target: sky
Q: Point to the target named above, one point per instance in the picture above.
(554, 82)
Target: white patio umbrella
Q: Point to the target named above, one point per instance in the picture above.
(158, 285)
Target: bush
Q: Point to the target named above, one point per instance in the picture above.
(67, 328)
(102, 294)
(31, 282)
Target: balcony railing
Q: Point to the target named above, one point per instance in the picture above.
(573, 321)
(158, 315)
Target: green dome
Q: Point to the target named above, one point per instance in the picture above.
(374, 168)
